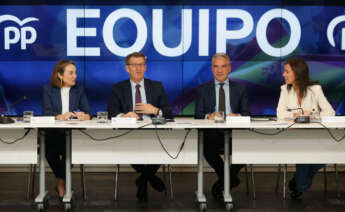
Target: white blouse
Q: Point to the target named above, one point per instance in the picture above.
(65, 99)
(314, 101)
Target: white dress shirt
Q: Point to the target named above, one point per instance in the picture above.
(143, 98)
(65, 99)
(142, 93)
(227, 95)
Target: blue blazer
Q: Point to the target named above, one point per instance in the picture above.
(52, 106)
(206, 99)
(121, 98)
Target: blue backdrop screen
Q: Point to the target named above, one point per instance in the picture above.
(178, 40)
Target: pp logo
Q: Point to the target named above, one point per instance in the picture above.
(12, 35)
(330, 30)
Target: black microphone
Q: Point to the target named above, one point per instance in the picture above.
(8, 120)
(300, 119)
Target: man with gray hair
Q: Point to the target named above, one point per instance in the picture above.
(220, 94)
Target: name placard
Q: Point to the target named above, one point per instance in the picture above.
(237, 119)
(122, 120)
(333, 119)
(42, 120)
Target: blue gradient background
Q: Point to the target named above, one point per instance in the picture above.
(25, 72)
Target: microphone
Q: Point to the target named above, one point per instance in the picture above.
(8, 120)
(158, 120)
(300, 119)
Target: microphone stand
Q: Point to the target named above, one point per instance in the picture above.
(7, 120)
(301, 119)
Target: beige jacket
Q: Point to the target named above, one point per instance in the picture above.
(314, 100)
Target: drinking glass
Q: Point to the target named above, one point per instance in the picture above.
(102, 117)
(27, 116)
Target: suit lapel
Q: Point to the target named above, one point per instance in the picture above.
(148, 92)
(72, 99)
(232, 93)
(57, 96)
(128, 98)
(212, 95)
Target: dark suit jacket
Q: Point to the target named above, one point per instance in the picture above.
(52, 106)
(121, 98)
(206, 99)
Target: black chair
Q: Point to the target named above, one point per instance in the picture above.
(32, 175)
(117, 172)
(221, 152)
(325, 179)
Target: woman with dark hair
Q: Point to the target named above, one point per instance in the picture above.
(300, 92)
(64, 99)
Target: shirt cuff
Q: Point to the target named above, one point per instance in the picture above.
(119, 115)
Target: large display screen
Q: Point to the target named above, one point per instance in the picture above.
(178, 39)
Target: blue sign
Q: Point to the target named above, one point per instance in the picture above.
(178, 40)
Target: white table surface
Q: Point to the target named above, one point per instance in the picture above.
(180, 123)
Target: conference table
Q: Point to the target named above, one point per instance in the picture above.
(256, 142)
(138, 145)
(18, 144)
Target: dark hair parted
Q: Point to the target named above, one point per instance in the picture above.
(59, 68)
(134, 54)
(301, 71)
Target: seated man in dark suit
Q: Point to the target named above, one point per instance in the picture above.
(140, 98)
(220, 94)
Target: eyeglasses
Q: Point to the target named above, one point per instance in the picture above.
(140, 65)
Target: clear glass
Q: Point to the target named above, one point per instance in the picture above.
(219, 117)
(27, 116)
(102, 117)
(315, 115)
